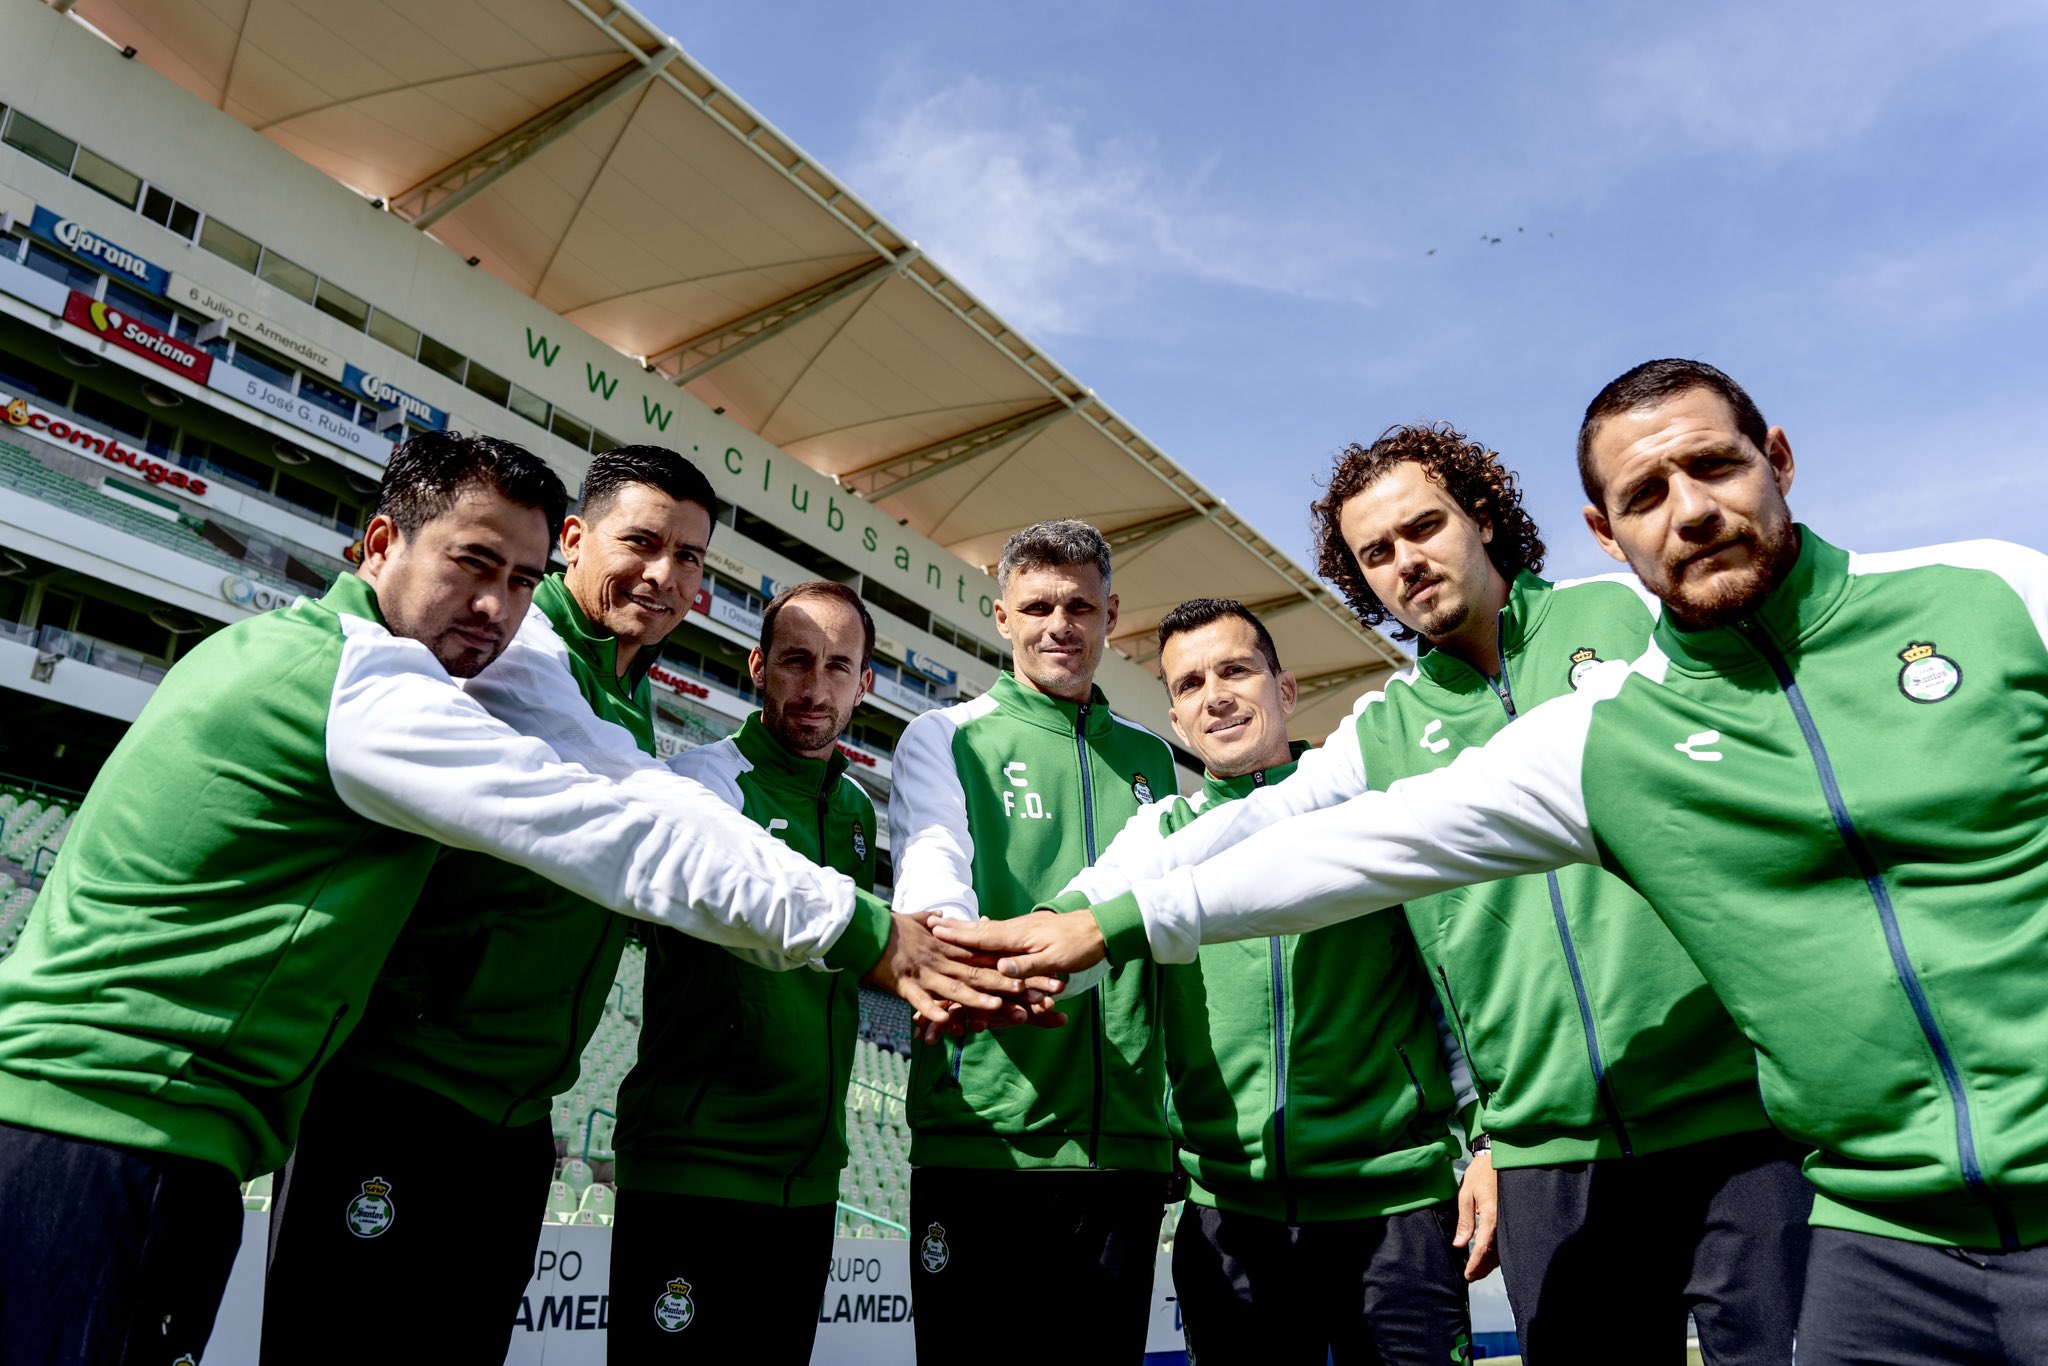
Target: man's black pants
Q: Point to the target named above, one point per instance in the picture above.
(1600, 1257)
(698, 1279)
(1872, 1299)
(395, 1197)
(110, 1256)
(1358, 1292)
(1083, 1242)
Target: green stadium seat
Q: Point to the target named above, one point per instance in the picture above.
(561, 1203)
(576, 1176)
(601, 1201)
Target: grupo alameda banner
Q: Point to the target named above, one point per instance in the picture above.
(864, 1319)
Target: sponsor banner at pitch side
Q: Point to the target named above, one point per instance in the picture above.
(61, 430)
(239, 316)
(118, 261)
(110, 324)
(288, 407)
(931, 668)
(385, 394)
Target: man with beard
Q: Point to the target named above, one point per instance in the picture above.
(243, 864)
(732, 1126)
(1826, 777)
(1612, 1080)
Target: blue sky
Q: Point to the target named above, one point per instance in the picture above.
(1222, 219)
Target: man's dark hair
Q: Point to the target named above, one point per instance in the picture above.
(1196, 613)
(655, 466)
(1651, 383)
(430, 470)
(819, 588)
(1474, 477)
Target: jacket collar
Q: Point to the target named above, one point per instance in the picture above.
(1520, 619)
(351, 593)
(1801, 603)
(1050, 713)
(1215, 789)
(774, 763)
(588, 639)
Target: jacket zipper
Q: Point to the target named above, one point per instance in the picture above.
(1101, 1016)
(319, 1053)
(1602, 1087)
(831, 1003)
(572, 1053)
(1279, 1058)
(1478, 1082)
(1421, 1101)
(1887, 914)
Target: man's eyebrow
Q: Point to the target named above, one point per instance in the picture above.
(531, 571)
(481, 552)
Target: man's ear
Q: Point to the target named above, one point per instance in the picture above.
(1778, 450)
(1288, 691)
(1110, 613)
(757, 667)
(1596, 522)
(572, 538)
(380, 538)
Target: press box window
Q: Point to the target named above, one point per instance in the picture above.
(337, 302)
(494, 387)
(46, 145)
(110, 180)
(180, 218)
(224, 242)
(445, 360)
(288, 275)
(570, 430)
(530, 406)
(400, 337)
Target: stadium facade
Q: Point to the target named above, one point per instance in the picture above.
(237, 265)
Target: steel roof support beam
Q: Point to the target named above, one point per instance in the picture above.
(741, 335)
(940, 456)
(1317, 685)
(447, 190)
(1126, 540)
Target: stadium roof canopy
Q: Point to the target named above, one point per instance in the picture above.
(596, 168)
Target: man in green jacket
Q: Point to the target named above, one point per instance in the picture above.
(732, 1126)
(1826, 777)
(1309, 1091)
(481, 1013)
(1613, 1082)
(994, 805)
(245, 861)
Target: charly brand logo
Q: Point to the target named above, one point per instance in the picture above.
(932, 1253)
(1694, 746)
(371, 1212)
(1583, 661)
(1141, 789)
(1033, 804)
(1429, 740)
(674, 1310)
(1926, 676)
(860, 843)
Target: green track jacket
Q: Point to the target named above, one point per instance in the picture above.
(501, 976)
(1306, 1079)
(1840, 808)
(994, 804)
(740, 1090)
(247, 856)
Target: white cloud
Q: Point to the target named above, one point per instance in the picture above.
(1968, 273)
(1059, 230)
(1775, 81)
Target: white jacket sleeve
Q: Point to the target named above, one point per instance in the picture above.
(408, 749)
(1512, 806)
(1326, 776)
(928, 836)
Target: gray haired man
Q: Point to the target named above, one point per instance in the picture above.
(996, 804)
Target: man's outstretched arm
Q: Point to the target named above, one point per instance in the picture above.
(1514, 806)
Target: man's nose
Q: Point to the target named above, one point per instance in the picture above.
(1693, 506)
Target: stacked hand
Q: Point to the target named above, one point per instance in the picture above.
(1042, 944)
(953, 989)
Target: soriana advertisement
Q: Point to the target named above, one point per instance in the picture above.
(109, 323)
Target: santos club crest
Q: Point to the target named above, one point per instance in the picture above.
(674, 1310)
(370, 1213)
(1927, 676)
(860, 843)
(1141, 789)
(933, 1254)
(1583, 662)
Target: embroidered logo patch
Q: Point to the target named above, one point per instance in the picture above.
(1926, 676)
(371, 1212)
(1141, 789)
(933, 1254)
(860, 843)
(1583, 660)
(674, 1310)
